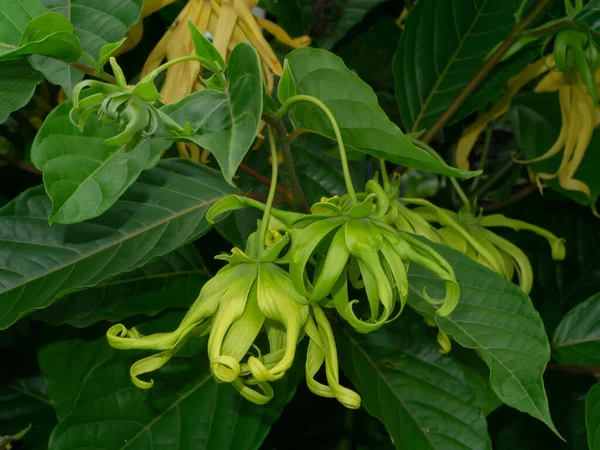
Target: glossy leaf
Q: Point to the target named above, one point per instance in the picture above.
(169, 282)
(592, 417)
(24, 402)
(363, 125)
(162, 211)
(326, 22)
(28, 28)
(535, 120)
(186, 409)
(226, 123)
(17, 85)
(422, 397)
(442, 48)
(95, 23)
(497, 320)
(82, 174)
(577, 338)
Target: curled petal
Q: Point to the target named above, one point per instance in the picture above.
(256, 397)
(321, 348)
(444, 342)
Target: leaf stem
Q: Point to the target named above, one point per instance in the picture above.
(90, 71)
(484, 71)
(336, 130)
(384, 175)
(457, 187)
(264, 223)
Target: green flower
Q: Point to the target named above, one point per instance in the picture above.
(469, 234)
(129, 107)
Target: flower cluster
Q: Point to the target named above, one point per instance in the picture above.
(341, 248)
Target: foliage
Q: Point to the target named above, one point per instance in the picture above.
(214, 231)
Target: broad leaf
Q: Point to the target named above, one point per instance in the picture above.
(326, 22)
(28, 28)
(186, 409)
(370, 53)
(24, 402)
(17, 85)
(535, 120)
(82, 174)
(226, 122)
(422, 397)
(497, 320)
(577, 338)
(162, 211)
(363, 125)
(95, 23)
(592, 417)
(169, 282)
(443, 46)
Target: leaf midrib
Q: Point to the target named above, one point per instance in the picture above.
(441, 77)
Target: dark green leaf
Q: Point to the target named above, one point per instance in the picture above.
(27, 28)
(592, 417)
(24, 402)
(82, 174)
(577, 338)
(226, 122)
(421, 396)
(17, 85)
(162, 211)
(185, 410)
(496, 319)
(370, 53)
(96, 24)
(325, 21)
(443, 46)
(535, 120)
(364, 126)
(169, 282)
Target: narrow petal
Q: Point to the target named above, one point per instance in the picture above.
(335, 262)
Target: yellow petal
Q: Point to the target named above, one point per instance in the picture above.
(282, 36)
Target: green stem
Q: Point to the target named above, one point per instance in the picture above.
(457, 187)
(179, 60)
(486, 148)
(336, 130)
(264, 223)
(384, 175)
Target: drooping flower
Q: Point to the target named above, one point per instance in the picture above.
(469, 234)
(247, 297)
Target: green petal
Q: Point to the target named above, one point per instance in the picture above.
(398, 271)
(521, 260)
(335, 262)
(225, 352)
(279, 301)
(498, 220)
(418, 224)
(453, 239)
(382, 202)
(322, 348)
(491, 249)
(304, 243)
(258, 398)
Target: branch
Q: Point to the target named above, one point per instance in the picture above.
(513, 198)
(24, 165)
(484, 71)
(575, 369)
(264, 180)
(90, 71)
(263, 198)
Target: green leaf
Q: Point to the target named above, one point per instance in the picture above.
(24, 402)
(364, 126)
(27, 28)
(107, 51)
(226, 123)
(577, 338)
(165, 209)
(95, 23)
(89, 384)
(370, 53)
(442, 48)
(17, 85)
(535, 121)
(421, 396)
(497, 320)
(169, 282)
(326, 22)
(82, 174)
(592, 416)
(211, 58)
